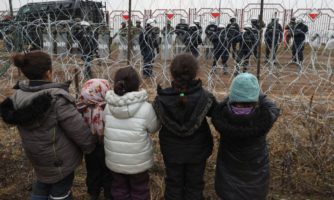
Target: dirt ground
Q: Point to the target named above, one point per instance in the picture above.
(301, 143)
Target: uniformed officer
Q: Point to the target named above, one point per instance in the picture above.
(88, 46)
(148, 43)
(193, 40)
(248, 41)
(221, 47)
(210, 30)
(272, 36)
(233, 32)
(299, 35)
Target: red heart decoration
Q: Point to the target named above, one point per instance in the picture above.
(170, 16)
(215, 14)
(313, 16)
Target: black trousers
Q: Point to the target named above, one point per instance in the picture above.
(220, 52)
(269, 48)
(234, 50)
(243, 57)
(298, 50)
(98, 175)
(148, 63)
(194, 51)
(184, 181)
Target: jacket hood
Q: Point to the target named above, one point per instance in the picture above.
(183, 120)
(29, 90)
(30, 105)
(125, 106)
(256, 124)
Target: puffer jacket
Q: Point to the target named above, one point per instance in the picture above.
(53, 132)
(242, 170)
(128, 121)
(185, 136)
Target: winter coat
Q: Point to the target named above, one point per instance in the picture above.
(221, 44)
(248, 39)
(273, 29)
(233, 32)
(148, 42)
(185, 136)
(210, 30)
(242, 169)
(53, 132)
(128, 121)
(299, 32)
(88, 43)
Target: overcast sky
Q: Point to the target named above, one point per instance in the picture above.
(185, 4)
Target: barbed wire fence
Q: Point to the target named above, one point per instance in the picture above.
(304, 135)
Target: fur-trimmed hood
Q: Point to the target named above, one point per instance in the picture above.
(30, 104)
(183, 120)
(258, 123)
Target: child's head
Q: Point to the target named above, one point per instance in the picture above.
(184, 68)
(126, 80)
(35, 65)
(92, 102)
(244, 90)
(94, 91)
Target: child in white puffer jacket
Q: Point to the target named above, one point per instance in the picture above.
(129, 119)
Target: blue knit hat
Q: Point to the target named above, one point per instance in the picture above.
(244, 88)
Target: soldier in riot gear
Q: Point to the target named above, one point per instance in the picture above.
(181, 31)
(248, 41)
(299, 35)
(193, 40)
(256, 28)
(199, 27)
(233, 32)
(148, 43)
(272, 36)
(221, 47)
(210, 30)
(88, 46)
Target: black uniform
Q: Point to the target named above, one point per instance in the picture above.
(181, 31)
(233, 32)
(256, 27)
(88, 46)
(148, 42)
(221, 46)
(248, 42)
(298, 42)
(211, 30)
(268, 36)
(199, 28)
(193, 40)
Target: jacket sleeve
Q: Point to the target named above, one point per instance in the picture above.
(271, 107)
(152, 122)
(73, 124)
(213, 105)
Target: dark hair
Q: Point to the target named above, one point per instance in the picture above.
(126, 80)
(184, 69)
(34, 64)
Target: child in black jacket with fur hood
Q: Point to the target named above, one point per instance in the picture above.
(185, 137)
(243, 119)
